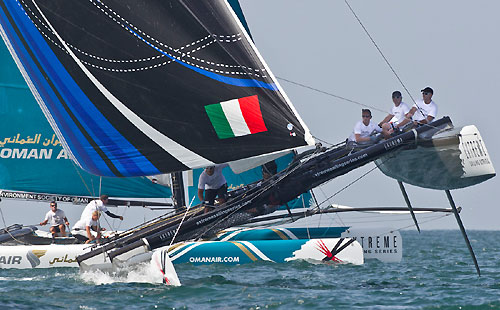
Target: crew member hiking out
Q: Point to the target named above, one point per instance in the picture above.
(98, 205)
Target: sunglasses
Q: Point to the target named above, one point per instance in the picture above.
(425, 93)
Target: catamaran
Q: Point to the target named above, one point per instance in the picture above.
(160, 88)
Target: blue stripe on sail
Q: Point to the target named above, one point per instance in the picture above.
(214, 76)
(81, 147)
(48, 97)
(90, 118)
(126, 158)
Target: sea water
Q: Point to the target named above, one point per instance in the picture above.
(436, 273)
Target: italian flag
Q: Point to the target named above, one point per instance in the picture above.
(237, 117)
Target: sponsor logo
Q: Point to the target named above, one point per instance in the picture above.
(214, 259)
(321, 246)
(44, 197)
(349, 161)
(379, 244)
(62, 259)
(392, 144)
(33, 257)
(475, 152)
(10, 259)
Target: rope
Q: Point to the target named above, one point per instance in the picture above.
(182, 221)
(123, 215)
(383, 56)
(260, 191)
(350, 184)
(331, 95)
(337, 214)
(81, 177)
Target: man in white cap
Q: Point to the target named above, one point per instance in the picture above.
(423, 111)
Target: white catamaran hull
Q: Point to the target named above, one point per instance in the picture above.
(205, 252)
(41, 256)
(238, 247)
(384, 244)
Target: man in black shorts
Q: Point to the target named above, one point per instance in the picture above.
(213, 183)
(57, 220)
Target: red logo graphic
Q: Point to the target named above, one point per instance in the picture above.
(321, 246)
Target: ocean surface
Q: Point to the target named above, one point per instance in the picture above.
(436, 273)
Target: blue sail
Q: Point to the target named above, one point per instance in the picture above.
(135, 96)
(32, 158)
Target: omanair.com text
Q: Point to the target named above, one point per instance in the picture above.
(214, 259)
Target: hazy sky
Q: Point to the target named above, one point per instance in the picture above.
(452, 46)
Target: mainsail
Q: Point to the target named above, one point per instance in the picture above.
(146, 87)
(32, 158)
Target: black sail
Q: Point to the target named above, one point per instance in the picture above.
(146, 87)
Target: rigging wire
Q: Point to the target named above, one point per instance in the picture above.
(346, 99)
(383, 56)
(330, 94)
(351, 183)
(260, 191)
(123, 215)
(81, 177)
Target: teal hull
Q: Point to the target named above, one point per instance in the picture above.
(277, 251)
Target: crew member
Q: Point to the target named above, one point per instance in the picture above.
(364, 131)
(84, 227)
(397, 114)
(213, 183)
(57, 220)
(424, 110)
(98, 205)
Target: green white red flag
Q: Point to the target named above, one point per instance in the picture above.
(236, 117)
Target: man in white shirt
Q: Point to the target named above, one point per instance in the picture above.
(423, 111)
(396, 115)
(98, 205)
(364, 130)
(82, 230)
(213, 183)
(57, 220)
